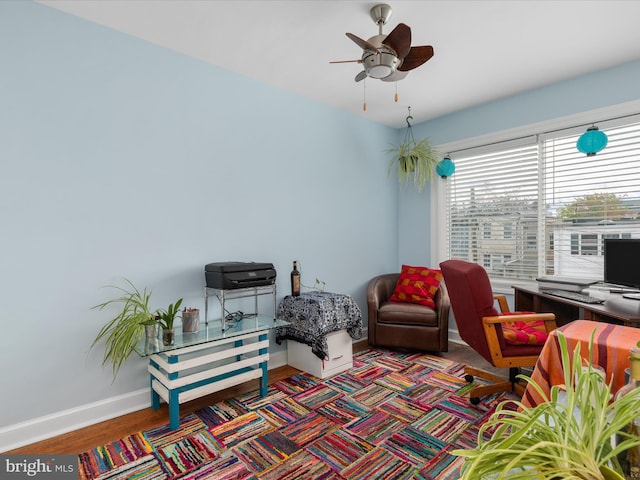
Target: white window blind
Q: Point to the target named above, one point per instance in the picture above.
(493, 203)
(589, 199)
(536, 207)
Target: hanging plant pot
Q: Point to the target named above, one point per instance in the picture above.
(414, 160)
(411, 159)
(409, 163)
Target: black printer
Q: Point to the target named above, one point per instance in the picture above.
(230, 275)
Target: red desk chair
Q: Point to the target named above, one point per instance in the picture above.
(505, 339)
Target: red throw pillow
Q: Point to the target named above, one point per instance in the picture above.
(417, 285)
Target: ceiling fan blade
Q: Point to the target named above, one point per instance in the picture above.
(399, 39)
(347, 61)
(363, 44)
(395, 76)
(416, 57)
(361, 76)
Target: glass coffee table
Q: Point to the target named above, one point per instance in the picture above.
(208, 361)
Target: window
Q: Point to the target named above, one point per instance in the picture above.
(496, 191)
(495, 262)
(552, 204)
(575, 244)
(590, 244)
(587, 244)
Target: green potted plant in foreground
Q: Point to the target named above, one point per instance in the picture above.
(122, 333)
(551, 441)
(166, 318)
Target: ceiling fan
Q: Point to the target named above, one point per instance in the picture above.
(388, 57)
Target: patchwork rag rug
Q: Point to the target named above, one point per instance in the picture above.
(392, 416)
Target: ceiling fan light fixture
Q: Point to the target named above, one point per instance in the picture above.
(388, 57)
(380, 71)
(380, 64)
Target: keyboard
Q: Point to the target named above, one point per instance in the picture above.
(578, 297)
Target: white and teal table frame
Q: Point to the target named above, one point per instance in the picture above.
(208, 361)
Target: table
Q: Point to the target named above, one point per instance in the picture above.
(313, 315)
(612, 344)
(616, 309)
(207, 361)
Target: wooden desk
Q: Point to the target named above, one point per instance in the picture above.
(612, 344)
(616, 309)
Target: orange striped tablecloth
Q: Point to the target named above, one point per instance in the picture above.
(612, 344)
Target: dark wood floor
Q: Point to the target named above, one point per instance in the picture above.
(104, 432)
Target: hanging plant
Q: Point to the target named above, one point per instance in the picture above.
(413, 159)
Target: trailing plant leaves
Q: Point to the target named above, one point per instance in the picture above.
(123, 332)
(568, 436)
(414, 159)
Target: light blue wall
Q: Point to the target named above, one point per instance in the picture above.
(582, 94)
(120, 158)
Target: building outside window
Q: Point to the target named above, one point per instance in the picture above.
(507, 231)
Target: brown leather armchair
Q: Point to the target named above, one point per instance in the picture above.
(406, 325)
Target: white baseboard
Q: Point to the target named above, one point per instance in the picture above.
(41, 428)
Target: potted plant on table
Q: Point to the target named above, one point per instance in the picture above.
(568, 436)
(151, 327)
(166, 318)
(123, 332)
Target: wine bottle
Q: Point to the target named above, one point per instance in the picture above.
(630, 459)
(295, 280)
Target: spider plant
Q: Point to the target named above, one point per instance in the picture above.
(417, 159)
(126, 328)
(411, 158)
(568, 436)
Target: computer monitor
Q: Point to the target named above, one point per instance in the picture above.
(622, 261)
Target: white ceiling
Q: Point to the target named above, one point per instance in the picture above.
(484, 50)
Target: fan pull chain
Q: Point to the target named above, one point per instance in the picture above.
(364, 95)
(396, 96)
